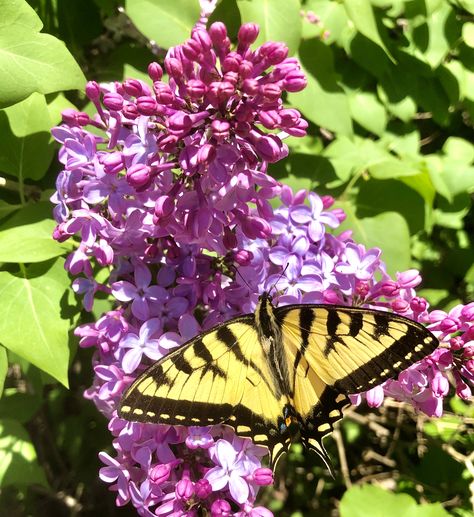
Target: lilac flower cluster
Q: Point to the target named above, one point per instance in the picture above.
(166, 205)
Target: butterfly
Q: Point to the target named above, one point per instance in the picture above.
(279, 373)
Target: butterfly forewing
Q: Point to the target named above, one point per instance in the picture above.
(220, 376)
(353, 349)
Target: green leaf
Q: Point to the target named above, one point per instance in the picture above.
(279, 20)
(367, 111)
(18, 405)
(459, 149)
(30, 61)
(362, 15)
(387, 231)
(333, 19)
(323, 101)
(27, 236)
(394, 96)
(369, 500)
(32, 323)
(169, 23)
(3, 367)
(26, 148)
(18, 461)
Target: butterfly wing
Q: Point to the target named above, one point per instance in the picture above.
(335, 350)
(221, 376)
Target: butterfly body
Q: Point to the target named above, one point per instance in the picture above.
(278, 373)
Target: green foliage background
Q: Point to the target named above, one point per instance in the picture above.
(390, 100)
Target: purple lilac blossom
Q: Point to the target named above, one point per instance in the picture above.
(171, 201)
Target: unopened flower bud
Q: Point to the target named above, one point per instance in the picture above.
(294, 81)
(220, 508)
(201, 36)
(138, 175)
(409, 278)
(449, 325)
(163, 93)
(232, 62)
(328, 201)
(146, 105)
(75, 118)
(418, 304)
(467, 312)
(196, 88)
(132, 87)
(262, 476)
(274, 52)
(155, 71)
(92, 90)
(270, 148)
(130, 111)
(206, 153)
(220, 129)
(191, 49)
(112, 162)
(250, 86)
(247, 34)
(164, 207)
(400, 305)
(113, 101)
(184, 489)
(174, 68)
(390, 289)
(243, 257)
(269, 119)
(160, 473)
(271, 92)
(439, 385)
(218, 33)
(202, 488)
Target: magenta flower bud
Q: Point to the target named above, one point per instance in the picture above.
(294, 81)
(269, 119)
(231, 77)
(206, 154)
(271, 148)
(250, 86)
(456, 343)
(330, 296)
(271, 92)
(262, 476)
(191, 49)
(439, 385)
(229, 240)
(362, 288)
(243, 257)
(289, 117)
(113, 101)
(232, 62)
(274, 52)
(221, 508)
(112, 162)
(340, 215)
(146, 105)
(130, 110)
(202, 38)
(160, 473)
(168, 143)
(164, 207)
(470, 365)
(174, 68)
(60, 234)
(328, 201)
(467, 312)
(132, 87)
(220, 92)
(449, 325)
(468, 351)
(409, 279)
(418, 304)
(184, 489)
(163, 93)
(155, 71)
(218, 33)
(196, 89)
(138, 175)
(245, 69)
(202, 488)
(180, 123)
(92, 90)
(400, 305)
(247, 34)
(390, 289)
(75, 118)
(463, 391)
(220, 129)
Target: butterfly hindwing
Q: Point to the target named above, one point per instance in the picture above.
(353, 349)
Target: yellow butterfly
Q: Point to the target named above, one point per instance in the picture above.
(278, 373)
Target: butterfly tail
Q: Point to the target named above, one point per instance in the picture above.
(317, 446)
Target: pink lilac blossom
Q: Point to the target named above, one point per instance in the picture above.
(171, 200)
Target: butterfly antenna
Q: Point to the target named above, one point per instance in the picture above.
(237, 272)
(278, 279)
